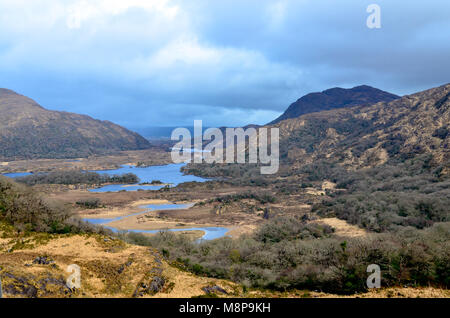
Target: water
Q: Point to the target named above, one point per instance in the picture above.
(168, 174)
(211, 233)
(190, 150)
(17, 174)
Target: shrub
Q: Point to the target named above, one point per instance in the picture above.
(77, 177)
(91, 203)
(29, 211)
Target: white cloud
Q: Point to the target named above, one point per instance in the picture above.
(83, 11)
(277, 13)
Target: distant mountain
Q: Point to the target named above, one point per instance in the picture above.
(364, 136)
(158, 132)
(27, 130)
(335, 98)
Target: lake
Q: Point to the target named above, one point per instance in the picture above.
(16, 174)
(211, 233)
(167, 174)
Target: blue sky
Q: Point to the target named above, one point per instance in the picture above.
(227, 62)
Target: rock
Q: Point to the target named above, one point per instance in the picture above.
(122, 267)
(21, 287)
(156, 271)
(43, 260)
(266, 215)
(305, 218)
(214, 290)
(157, 284)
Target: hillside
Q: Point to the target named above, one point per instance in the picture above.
(112, 268)
(335, 98)
(361, 136)
(109, 268)
(365, 136)
(27, 130)
(287, 258)
(389, 162)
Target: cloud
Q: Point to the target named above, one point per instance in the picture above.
(83, 11)
(147, 62)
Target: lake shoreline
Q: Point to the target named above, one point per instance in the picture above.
(144, 220)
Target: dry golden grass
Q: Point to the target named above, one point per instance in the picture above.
(100, 259)
(342, 228)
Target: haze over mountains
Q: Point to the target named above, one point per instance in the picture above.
(336, 98)
(27, 130)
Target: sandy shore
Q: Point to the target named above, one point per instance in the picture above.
(134, 207)
(148, 222)
(147, 202)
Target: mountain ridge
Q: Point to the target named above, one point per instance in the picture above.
(367, 135)
(28, 130)
(335, 98)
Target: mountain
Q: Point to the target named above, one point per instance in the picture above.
(27, 130)
(364, 136)
(360, 137)
(336, 98)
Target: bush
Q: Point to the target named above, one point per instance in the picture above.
(386, 198)
(91, 203)
(287, 228)
(77, 177)
(28, 211)
(293, 258)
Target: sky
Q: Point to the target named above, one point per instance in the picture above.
(145, 63)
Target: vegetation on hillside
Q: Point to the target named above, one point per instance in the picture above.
(288, 253)
(390, 164)
(411, 193)
(28, 211)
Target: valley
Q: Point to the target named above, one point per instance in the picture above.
(356, 185)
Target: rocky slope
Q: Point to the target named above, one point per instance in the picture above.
(335, 98)
(363, 136)
(27, 130)
(35, 266)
